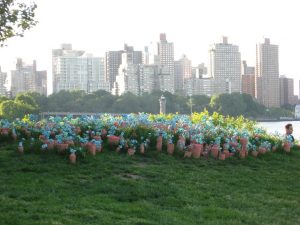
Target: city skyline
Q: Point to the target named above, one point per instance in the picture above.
(99, 27)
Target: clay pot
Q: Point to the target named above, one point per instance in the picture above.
(287, 147)
(159, 143)
(187, 154)
(254, 153)
(222, 156)
(242, 154)
(130, 151)
(226, 152)
(181, 143)
(62, 147)
(170, 148)
(274, 148)
(72, 158)
(244, 141)
(5, 131)
(91, 148)
(197, 150)
(262, 150)
(215, 151)
(50, 145)
(142, 148)
(113, 140)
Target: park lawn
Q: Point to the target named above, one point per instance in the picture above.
(44, 188)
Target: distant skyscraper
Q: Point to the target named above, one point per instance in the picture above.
(27, 79)
(225, 67)
(182, 71)
(149, 78)
(72, 70)
(3, 89)
(128, 78)
(267, 74)
(113, 60)
(286, 90)
(166, 58)
(248, 79)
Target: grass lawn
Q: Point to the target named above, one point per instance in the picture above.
(152, 189)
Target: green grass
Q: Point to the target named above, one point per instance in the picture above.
(151, 189)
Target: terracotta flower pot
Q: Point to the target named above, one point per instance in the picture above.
(142, 148)
(242, 154)
(181, 143)
(274, 148)
(222, 156)
(262, 150)
(287, 147)
(50, 145)
(187, 154)
(113, 140)
(159, 143)
(197, 150)
(72, 158)
(254, 153)
(244, 141)
(130, 151)
(92, 148)
(226, 152)
(215, 151)
(170, 148)
(62, 147)
(5, 131)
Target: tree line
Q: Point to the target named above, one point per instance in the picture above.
(234, 104)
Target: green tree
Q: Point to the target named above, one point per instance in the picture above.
(13, 109)
(228, 104)
(15, 18)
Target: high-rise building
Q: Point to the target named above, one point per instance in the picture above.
(225, 67)
(3, 89)
(113, 60)
(166, 59)
(182, 71)
(27, 79)
(149, 78)
(198, 86)
(128, 79)
(267, 74)
(286, 90)
(74, 70)
(248, 79)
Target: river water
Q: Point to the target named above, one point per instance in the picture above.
(273, 127)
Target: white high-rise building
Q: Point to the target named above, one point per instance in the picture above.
(73, 70)
(183, 71)
(128, 79)
(27, 79)
(166, 59)
(113, 60)
(267, 74)
(149, 78)
(225, 67)
(3, 80)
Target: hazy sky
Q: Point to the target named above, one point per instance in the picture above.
(101, 25)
